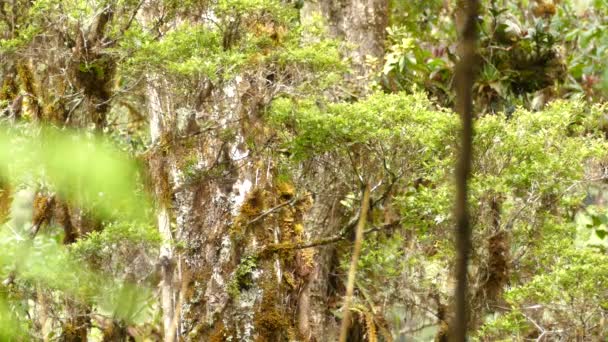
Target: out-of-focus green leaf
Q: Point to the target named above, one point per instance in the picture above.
(86, 170)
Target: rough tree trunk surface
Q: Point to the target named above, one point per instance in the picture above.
(361, 23)
(226, 284)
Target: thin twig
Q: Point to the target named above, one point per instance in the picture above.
(271, 210)
(327, 240)
(350, 285)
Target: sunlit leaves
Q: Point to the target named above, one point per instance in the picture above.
(389, 119)
(533, 164)
(235, 37)
(45, 261)
(574, 288)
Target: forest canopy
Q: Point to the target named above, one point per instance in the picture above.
(288, 170)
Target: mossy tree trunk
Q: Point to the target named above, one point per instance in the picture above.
(220, 283)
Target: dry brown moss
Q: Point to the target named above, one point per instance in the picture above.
(62, 217)
(253, 206)
(28, 84)
(5, 202)
(218, 334)
(271, 322)
(42, 209)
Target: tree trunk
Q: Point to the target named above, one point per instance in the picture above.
(161, 166)
(361, 23)
(229, 207)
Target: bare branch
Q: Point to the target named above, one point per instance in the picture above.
(464, 79)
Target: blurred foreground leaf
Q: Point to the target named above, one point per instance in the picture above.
(86, 170)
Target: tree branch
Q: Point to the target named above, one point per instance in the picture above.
(464, 80)
(343, 236)
(271, 210)
(350, 285)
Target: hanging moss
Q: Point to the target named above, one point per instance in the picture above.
(5, 202)
(253, 206)
(93, 73)
(305, 262)
(61, 216)
(55, 113)
(271, 322)
(497, 273)
(285, 190)
(28, 84)
(42, 209)
(9, 88)
(156, 179)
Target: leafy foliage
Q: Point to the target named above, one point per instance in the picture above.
(528, 181)
(529, 53)
(112, 191)
(246, 94)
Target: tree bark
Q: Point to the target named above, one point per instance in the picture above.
(218, 193)
(361, 23)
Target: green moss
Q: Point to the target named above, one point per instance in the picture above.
(242, 277)
(227, 135)
(191, 172)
